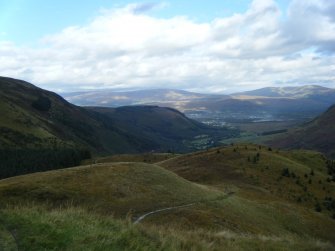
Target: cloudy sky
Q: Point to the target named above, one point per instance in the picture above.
(205, 46)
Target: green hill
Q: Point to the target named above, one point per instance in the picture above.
(235, 203)
(116, 188)
(168, 128)
(319, 135)
(301, 177)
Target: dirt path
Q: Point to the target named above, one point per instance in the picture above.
(11, 243)
(142, 217)
(160, 210)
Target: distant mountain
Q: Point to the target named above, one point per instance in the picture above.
(33, 118)
(271, 103)
(307, 91)
(108, 98)
(319, 134)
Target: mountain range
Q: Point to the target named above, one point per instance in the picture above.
(266, 104)
(108, 98)
(307, 91)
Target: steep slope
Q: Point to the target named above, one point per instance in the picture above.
(164, 126)
(32, 117)
(318, 134)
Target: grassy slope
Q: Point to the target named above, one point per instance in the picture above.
(118, 188)
(149, 158)
(236, 165)
(75, 229)
(265, 202)
(318, 134)
(262, 214)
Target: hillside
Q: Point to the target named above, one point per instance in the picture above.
(319, 134)
(39, 130)
(301, 177)
(33, 117)
(164, 126)
(36, 118)
(231, 203)
(120, 188)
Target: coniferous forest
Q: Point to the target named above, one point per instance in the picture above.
(15, 162)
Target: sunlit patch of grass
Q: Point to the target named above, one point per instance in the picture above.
(118, 188)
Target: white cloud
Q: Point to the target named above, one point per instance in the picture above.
(128, 48)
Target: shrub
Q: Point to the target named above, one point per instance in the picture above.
(285, 172)
(42, 104)
(318, 207)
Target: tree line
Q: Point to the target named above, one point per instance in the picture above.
(22, 161)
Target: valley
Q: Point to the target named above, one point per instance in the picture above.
(167, 125)
(38, 122)
(145, 177)
(284, 106)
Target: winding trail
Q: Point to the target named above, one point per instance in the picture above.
(142, 217)
(160, 210)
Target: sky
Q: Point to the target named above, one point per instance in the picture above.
(220, 46)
